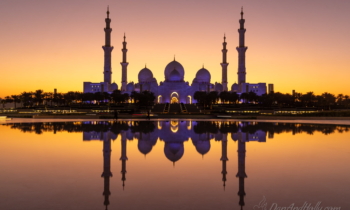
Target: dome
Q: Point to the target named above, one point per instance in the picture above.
(174, 151)
(203, 75)
(145, 146)
(174, 76)
(171, 66)
(114, 86)
(130, 87)
(203, 147)
(145, 75)
(234, 87)
(129, 135)
(219, 87)
(218, 137)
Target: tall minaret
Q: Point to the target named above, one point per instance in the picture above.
(108, 51)
(241, 171)
(224, 158)
(123, 157)
(224, 65)
(124, 67)
(241, 51)
(106, 168)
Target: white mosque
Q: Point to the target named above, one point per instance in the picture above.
(174, 89)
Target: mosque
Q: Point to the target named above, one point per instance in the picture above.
(174, 89)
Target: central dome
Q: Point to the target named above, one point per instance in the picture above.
(203, 75)
(170, 67)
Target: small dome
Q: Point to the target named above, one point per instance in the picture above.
(234, 87)
(203, 147)
(219, 87)
(114, 86)
(145, 75)
(203, 75)
(174, 76)
(145, 146)
(170, 67)
(130, 87)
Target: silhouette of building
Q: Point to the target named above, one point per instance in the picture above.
(174, 89)
(106, 85)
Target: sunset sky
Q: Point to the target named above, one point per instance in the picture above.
(294, 44)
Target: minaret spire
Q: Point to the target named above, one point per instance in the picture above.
(106, 167)
(124, 64)
(108, 52)
(241, 170)
(224, 65)
(241, 54)
(224, 158)
(123, 157)
(108, 11)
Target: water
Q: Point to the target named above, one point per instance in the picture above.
(173, 165)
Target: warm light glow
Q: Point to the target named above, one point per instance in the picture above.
(190, 99)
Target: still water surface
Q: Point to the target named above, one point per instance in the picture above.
(173, 165)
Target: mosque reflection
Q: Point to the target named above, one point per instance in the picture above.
(174, 134)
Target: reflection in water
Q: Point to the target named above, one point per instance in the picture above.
(174, 134)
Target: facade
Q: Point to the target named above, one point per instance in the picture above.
(174, 89)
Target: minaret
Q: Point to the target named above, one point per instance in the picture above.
(224, 158)
(106, 169)
(224, 65)
(241, 51)
(124, 67)
(108, 51)
(241, 171)
(123, 157)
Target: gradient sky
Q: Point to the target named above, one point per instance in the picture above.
(301, 45)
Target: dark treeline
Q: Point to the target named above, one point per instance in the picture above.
(200, 127)
(77, 127)
(40, 98)
(273, 128)
(324, 101)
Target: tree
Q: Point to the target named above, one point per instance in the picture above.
(27, 99)
(87, 97)
(145, 98)
(212, 97)
(38, 97)
(329, 99)
(3, 102)
(252, 97)
(118, 97)
(244, 97)
(340, 98)
(233, 97)
(224, 96)
(15, 99)
(200, 97)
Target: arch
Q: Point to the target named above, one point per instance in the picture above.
(160, 99)
(189, 99)
(174, 98)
